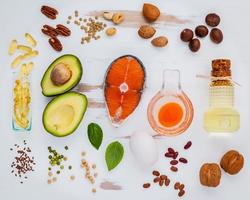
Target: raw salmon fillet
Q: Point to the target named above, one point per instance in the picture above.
(124, 83)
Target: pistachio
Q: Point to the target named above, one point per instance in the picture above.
(108, 15)
(111, 31)
(118, 18)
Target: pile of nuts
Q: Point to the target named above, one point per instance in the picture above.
(231, 162)
(53, 33)
(171, 153)
(201, 31)
(151, 14)
(86, 166)
(91, 26)
(116, 18)
(162, 179)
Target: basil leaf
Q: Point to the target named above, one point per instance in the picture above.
(114, 154)
(95, 135)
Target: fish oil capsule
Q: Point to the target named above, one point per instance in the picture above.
(13, 47)
(24, 48)
(17, 61)
(30, 39)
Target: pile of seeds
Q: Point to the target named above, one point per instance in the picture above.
(88, 169)
(162, 179)
(171, 153)
(91, 26)
(23, 161)
(56, 161)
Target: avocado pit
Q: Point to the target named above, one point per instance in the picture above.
(61, 74)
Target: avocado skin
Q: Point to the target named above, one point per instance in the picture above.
(76, 82)
(76, 126)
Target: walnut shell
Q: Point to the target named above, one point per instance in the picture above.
(150, 12)
(232, 162)
(210, 174)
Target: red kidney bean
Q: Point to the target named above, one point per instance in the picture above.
(174, 162)
(174, 169)
(188, 145)
(161, 182)
(167, 182)
(177, 185)
(176, 155)
(156, 173)
(169, 155)
(146, 185)
(171, 150)
(157, 179)
(183, 160)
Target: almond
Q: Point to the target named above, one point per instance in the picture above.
(146, 31)
(150, 12)
(160, 41)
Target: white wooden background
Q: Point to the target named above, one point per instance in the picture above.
(18, 17)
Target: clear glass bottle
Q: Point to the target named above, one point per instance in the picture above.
(221, 115)
(170, 94)
(21, 113)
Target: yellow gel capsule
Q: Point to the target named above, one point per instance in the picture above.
(30, 39)
(17, 61)
(13, 47)
(24, 48)
(30, 55)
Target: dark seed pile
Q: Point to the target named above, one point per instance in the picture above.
(23, 161)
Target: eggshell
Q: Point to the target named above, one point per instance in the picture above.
(143, 147)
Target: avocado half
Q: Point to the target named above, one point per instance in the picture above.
(75, 67)
(63, 114)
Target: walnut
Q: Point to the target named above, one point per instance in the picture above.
(232, 162)
(210, 174)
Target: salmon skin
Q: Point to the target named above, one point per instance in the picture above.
(124, 83)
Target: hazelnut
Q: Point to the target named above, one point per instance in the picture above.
(146, 31)
(216, 35)
(186, 35)
(210, 174)
(194, 45)
(61, 74)
(201, 31)
(150, 12)
(232, 162)
(212, 19)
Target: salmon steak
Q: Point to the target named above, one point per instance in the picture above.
(124, 83)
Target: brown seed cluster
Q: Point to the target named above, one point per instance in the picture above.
(180, 187)
(90, 173)
(23, 161)
(201, 31)
(163, 180)
(171, 153)
(90, 26)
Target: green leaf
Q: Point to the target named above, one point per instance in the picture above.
(95, 135)
(114, 154)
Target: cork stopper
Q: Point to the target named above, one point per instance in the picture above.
(221, 68)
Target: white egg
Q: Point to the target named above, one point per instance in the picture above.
(143, 147)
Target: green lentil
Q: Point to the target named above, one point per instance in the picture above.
(70, 167)
(66, 147)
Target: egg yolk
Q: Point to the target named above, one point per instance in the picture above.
(170, 114)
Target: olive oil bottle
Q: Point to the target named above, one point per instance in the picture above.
(221, 115)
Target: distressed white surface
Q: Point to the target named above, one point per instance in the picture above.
(18, 17)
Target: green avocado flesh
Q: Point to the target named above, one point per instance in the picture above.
(75, 67)
(64, 113)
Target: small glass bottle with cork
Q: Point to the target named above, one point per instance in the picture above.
(221, 115)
